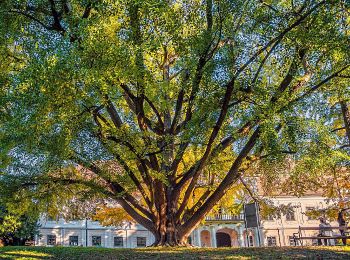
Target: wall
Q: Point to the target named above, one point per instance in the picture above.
(282, 229)
(63, 229)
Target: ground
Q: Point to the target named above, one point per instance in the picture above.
(93, 253)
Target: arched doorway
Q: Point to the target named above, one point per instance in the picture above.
(205, 238)
(223, 240)
(226, 237)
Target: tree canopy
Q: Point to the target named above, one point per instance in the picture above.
(127, 90)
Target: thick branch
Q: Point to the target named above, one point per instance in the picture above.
(318, 85)
(215, 152)
(56, 17)
(232, 176)
(178, 109)
(118, 190)
(31, 17)
(135, 180)
(112, 111)
(346, 117)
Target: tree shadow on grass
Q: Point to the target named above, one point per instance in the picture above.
(92, 253)
(250, 253)
(23, 254)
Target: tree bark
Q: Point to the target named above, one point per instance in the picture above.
(346, 117)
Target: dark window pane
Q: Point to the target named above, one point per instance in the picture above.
(268, 218)
(96, 240)
(292, 241)
(51, 240)
(271, 241)
(290, 216)
(141, 241)
(73, 240)
(251, 242)
(118, 241)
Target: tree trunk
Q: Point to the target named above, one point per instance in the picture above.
(168, 233)
(167, 224)
(346, 117)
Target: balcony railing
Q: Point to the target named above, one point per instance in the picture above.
(225, 217)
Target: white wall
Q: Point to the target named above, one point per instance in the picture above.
(63, 229)
(282, 229)
(279, 228)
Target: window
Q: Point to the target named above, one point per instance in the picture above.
(51, 240)
(141, 241)
(314, 242)
(292, 241)
(290, 216)
(251, 242)
(269, 218)
(73, 240)
(271, 241)
(118, 241)
(96, 240)
(308, 211)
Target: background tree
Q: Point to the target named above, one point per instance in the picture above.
(142, 83)
(17, 227)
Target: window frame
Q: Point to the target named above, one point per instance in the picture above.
(138, 243)
(121, 239)
(50, 238)
(271, 241)
(308, 209)
(76, 242)
(291, 213)
(269, 218)
(292, 241)
(314, 242)
(93, 239)
(250, 240)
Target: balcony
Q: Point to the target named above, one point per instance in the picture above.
(225, 218)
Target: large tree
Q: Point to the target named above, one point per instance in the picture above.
(144, 84)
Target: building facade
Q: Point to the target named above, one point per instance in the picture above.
(279, 231)
(91, 233)
(223, 230)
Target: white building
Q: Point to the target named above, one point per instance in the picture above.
(228, 230)
(279, 232)
(217, 231)
(224, 231)
(91, 233)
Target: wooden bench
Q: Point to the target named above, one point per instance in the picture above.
(298, 236)
(29, 243)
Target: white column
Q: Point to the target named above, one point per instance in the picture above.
(213, 236)
(61, 236)
(239, 237)
(83, 237)
(242, 237)
(199, 238)
(105, 237)
(256, 237)
(36, 240)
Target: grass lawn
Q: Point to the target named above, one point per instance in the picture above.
(92, 253)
